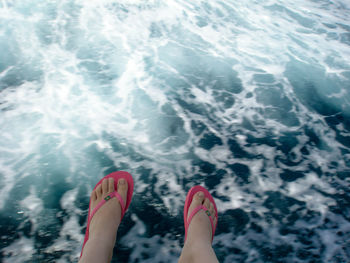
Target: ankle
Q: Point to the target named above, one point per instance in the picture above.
(103, 240)
(199, 231)
(104, 229)
(195, 244)
(196, 251)
(97, 249)
(103, 237)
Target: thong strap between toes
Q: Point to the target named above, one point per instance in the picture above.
(108, 197)
(206, 210)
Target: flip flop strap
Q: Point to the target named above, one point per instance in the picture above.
(103, 201)
(195, 211)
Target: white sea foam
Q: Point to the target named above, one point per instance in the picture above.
(90, 86)
(19, 251)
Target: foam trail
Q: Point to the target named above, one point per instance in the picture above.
(249, 99)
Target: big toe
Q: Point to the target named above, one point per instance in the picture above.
(197, 200)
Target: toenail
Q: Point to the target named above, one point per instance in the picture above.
(122, 181)
(201, 194)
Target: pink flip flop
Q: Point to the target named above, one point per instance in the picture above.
(116, 176)
(188, 202)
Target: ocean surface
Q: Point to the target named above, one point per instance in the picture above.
(250, 99)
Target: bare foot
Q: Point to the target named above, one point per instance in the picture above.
(105, 223)
(197, 247)
(200, 227)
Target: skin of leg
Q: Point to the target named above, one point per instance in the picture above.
(105, 223)
(197, 247)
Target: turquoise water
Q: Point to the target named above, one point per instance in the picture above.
(249, 99)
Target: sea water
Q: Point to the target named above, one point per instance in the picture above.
(250, 99)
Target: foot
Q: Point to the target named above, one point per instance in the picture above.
(105, 222)
(200, 226)
(107, 218)
(197, 246)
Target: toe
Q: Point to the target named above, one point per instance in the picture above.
(215, 221)
(93, 196)
(123, 189)
(211, 209)
(110, 185)
(104, 186)
(197, 200)
(98, 191)
(212, 212)
(206, 203)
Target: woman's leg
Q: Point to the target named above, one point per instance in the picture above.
(197, 247)
(105, 223)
